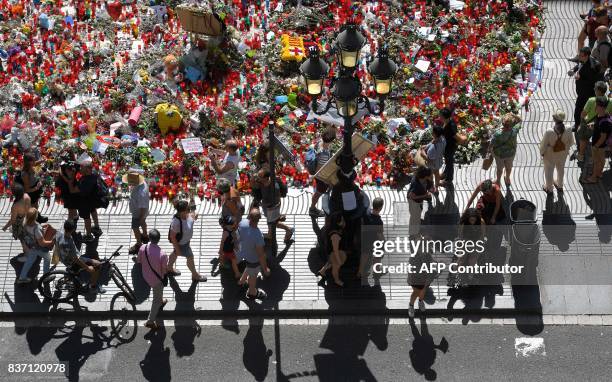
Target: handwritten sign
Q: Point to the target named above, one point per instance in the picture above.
(361, 147)
(192, 145)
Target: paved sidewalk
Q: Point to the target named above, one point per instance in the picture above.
(294, 287)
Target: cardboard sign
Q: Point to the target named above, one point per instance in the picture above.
(283, 150)
(192, 145)
(361, 147)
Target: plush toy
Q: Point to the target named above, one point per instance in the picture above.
(168, 117)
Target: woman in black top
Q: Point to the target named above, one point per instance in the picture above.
(450, 134)
(32, 183)
(65, 182)
(334, 245)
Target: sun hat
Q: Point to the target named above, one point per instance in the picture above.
(559, 116)
(133, 177)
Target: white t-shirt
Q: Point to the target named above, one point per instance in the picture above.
(175, 226)
(139, 198)
(231, 174)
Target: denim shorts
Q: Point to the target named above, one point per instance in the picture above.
(136, 222)
(186, 250)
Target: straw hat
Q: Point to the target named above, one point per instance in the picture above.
(559, 116)
(134, 177)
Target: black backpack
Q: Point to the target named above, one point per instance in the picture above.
(102, 193)
(179, 235)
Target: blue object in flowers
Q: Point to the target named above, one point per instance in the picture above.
(193, 74)
(69, 20)
(281, 99)
(43, 21)
(4, 54)
(426, 101)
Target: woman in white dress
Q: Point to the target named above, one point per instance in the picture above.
(554, 148)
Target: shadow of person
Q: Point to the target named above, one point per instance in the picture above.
(557, 223)
(440, 221)
(597, 198)
(424, 350)
(348, 342)
(230, 298)
(156, 364)
(142, 290)
(186, 328)
(36, 336)
(75, 353)
(256, 355)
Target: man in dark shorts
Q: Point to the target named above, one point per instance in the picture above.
(88, 198)
(323, 156)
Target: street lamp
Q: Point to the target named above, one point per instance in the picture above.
(346, 93)
(314, 71)
(349, 42)
(382, 70)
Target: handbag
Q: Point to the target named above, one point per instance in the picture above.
(487, 162)
(55, 259)
(163, 280)
(179, 235)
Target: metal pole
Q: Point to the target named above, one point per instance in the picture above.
(346, 164)
(272, 225)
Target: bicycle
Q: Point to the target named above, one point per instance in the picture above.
(61, 286)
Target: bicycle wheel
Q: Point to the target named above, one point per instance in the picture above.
(121, 282)
(58, 286)
(123, 328)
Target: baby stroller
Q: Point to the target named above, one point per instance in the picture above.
(525, 240)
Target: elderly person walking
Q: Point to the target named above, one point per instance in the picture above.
(554, 148)
(154, 267)
(503, 145)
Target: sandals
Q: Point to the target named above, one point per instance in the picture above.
(199, 279)
(173, 272)
(289, 236)
(259, 296)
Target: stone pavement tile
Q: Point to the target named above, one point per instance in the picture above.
(558, 319)
(553, 298)
(555, 270)
(594, 320)
(599, 270)
(599, 298)
(571, 320)
(606, 320)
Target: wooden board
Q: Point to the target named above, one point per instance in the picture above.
(361, 147)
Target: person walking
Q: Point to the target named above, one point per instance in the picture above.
(602, 128)
(231, 204)
(139, 207)
(32, 185)
(503, 145)
(21, 205)
(252, 250)
(601, 49)
(229, 244)
(36, 246)
(554, 148)
(372, 231)
(450, 135)
(420, 280)
(419, 190)
(180, 234)
(586, 73)
(154, 268)
(269, 196)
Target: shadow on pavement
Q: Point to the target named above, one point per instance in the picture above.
(557, 223)
(186, 328)
(156, 364)
(424, 350)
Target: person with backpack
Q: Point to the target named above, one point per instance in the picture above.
(602, 48)
(180, 234)
(269, 197)
(154, 268)
(314, 161)
(602, 128)
(554, 148)
(36, 246)
(91, 191)
(21, 205)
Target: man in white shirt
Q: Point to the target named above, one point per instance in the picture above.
(228, 167)
(139, 207)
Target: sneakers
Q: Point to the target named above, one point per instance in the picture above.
(97, 231)
(259, 296)
(422, 306)
(411, 311)
(199, 279)
(134, 249)
(97, 289)
(316, 213)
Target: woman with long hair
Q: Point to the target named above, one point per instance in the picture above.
(32, 183)
(21, 205)
(36, 244)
